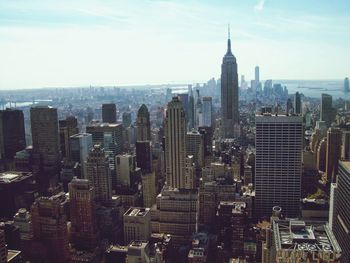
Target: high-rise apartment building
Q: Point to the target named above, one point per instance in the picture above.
(333, 153)
(67, 128)
(137, 224)
(49, 222)
(12, 134)
(207, 112)
(84, 231)
(229, 93)
(98, 173)
(143, 124)
(175, 147)
(109, 113)
(46, 146)
(278, 163)
(340, 216)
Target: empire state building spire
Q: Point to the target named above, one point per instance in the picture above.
(229, 41)
(229, 92)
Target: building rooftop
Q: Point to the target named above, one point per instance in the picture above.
(139, 212)
(13, 176)
(80, 135)
(305, 236)
(346, 164)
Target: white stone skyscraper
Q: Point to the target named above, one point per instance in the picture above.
(278, 164)
(175, 147)
(229, 92)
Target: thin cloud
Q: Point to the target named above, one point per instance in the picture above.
(259, 6)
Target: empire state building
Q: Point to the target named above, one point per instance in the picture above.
(229, 92)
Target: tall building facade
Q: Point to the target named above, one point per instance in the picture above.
(80, 146)
(143, 124)
(126, 166)
(98, 173)
(46, 145)
(190, 114)
(12, 134)
(144, 156)
(346, 85)
(229, 93)
(84, 231)
(137, 224)
(195, 147)
(49, 223)
(341, 213)
(333, 153)
(297, 103)
(109, 113)
(207, 112)
(67, 128)
(175, 146)
(327, 113)
(3, 250)
(278, 164)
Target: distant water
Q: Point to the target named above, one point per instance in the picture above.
(25, 103)
(314, 88)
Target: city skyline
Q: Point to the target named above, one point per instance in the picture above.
(74, 43)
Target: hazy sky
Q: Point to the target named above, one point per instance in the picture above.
(50, 43)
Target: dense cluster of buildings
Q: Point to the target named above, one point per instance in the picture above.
(185, 176)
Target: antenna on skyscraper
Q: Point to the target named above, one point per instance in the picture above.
(229, 31)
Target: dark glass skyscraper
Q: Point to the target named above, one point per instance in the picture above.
(12, 136)
(109, 113)
(229, 92)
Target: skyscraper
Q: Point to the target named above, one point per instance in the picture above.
(327, 112)
(3, 250)
(297, 103)
(207, 111)
(49, 222)
(144, 156)
(67, 127)
(84, 232)
(46, 146)
(346, 85)
(257, 75)
(278, 163)
(175, 147)
(229, 92)
(12, 135)
(109, 113)
(341, 212)
(98, 173)
(190, 114)
(80, 145)
(333, 153)
(143, 124)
